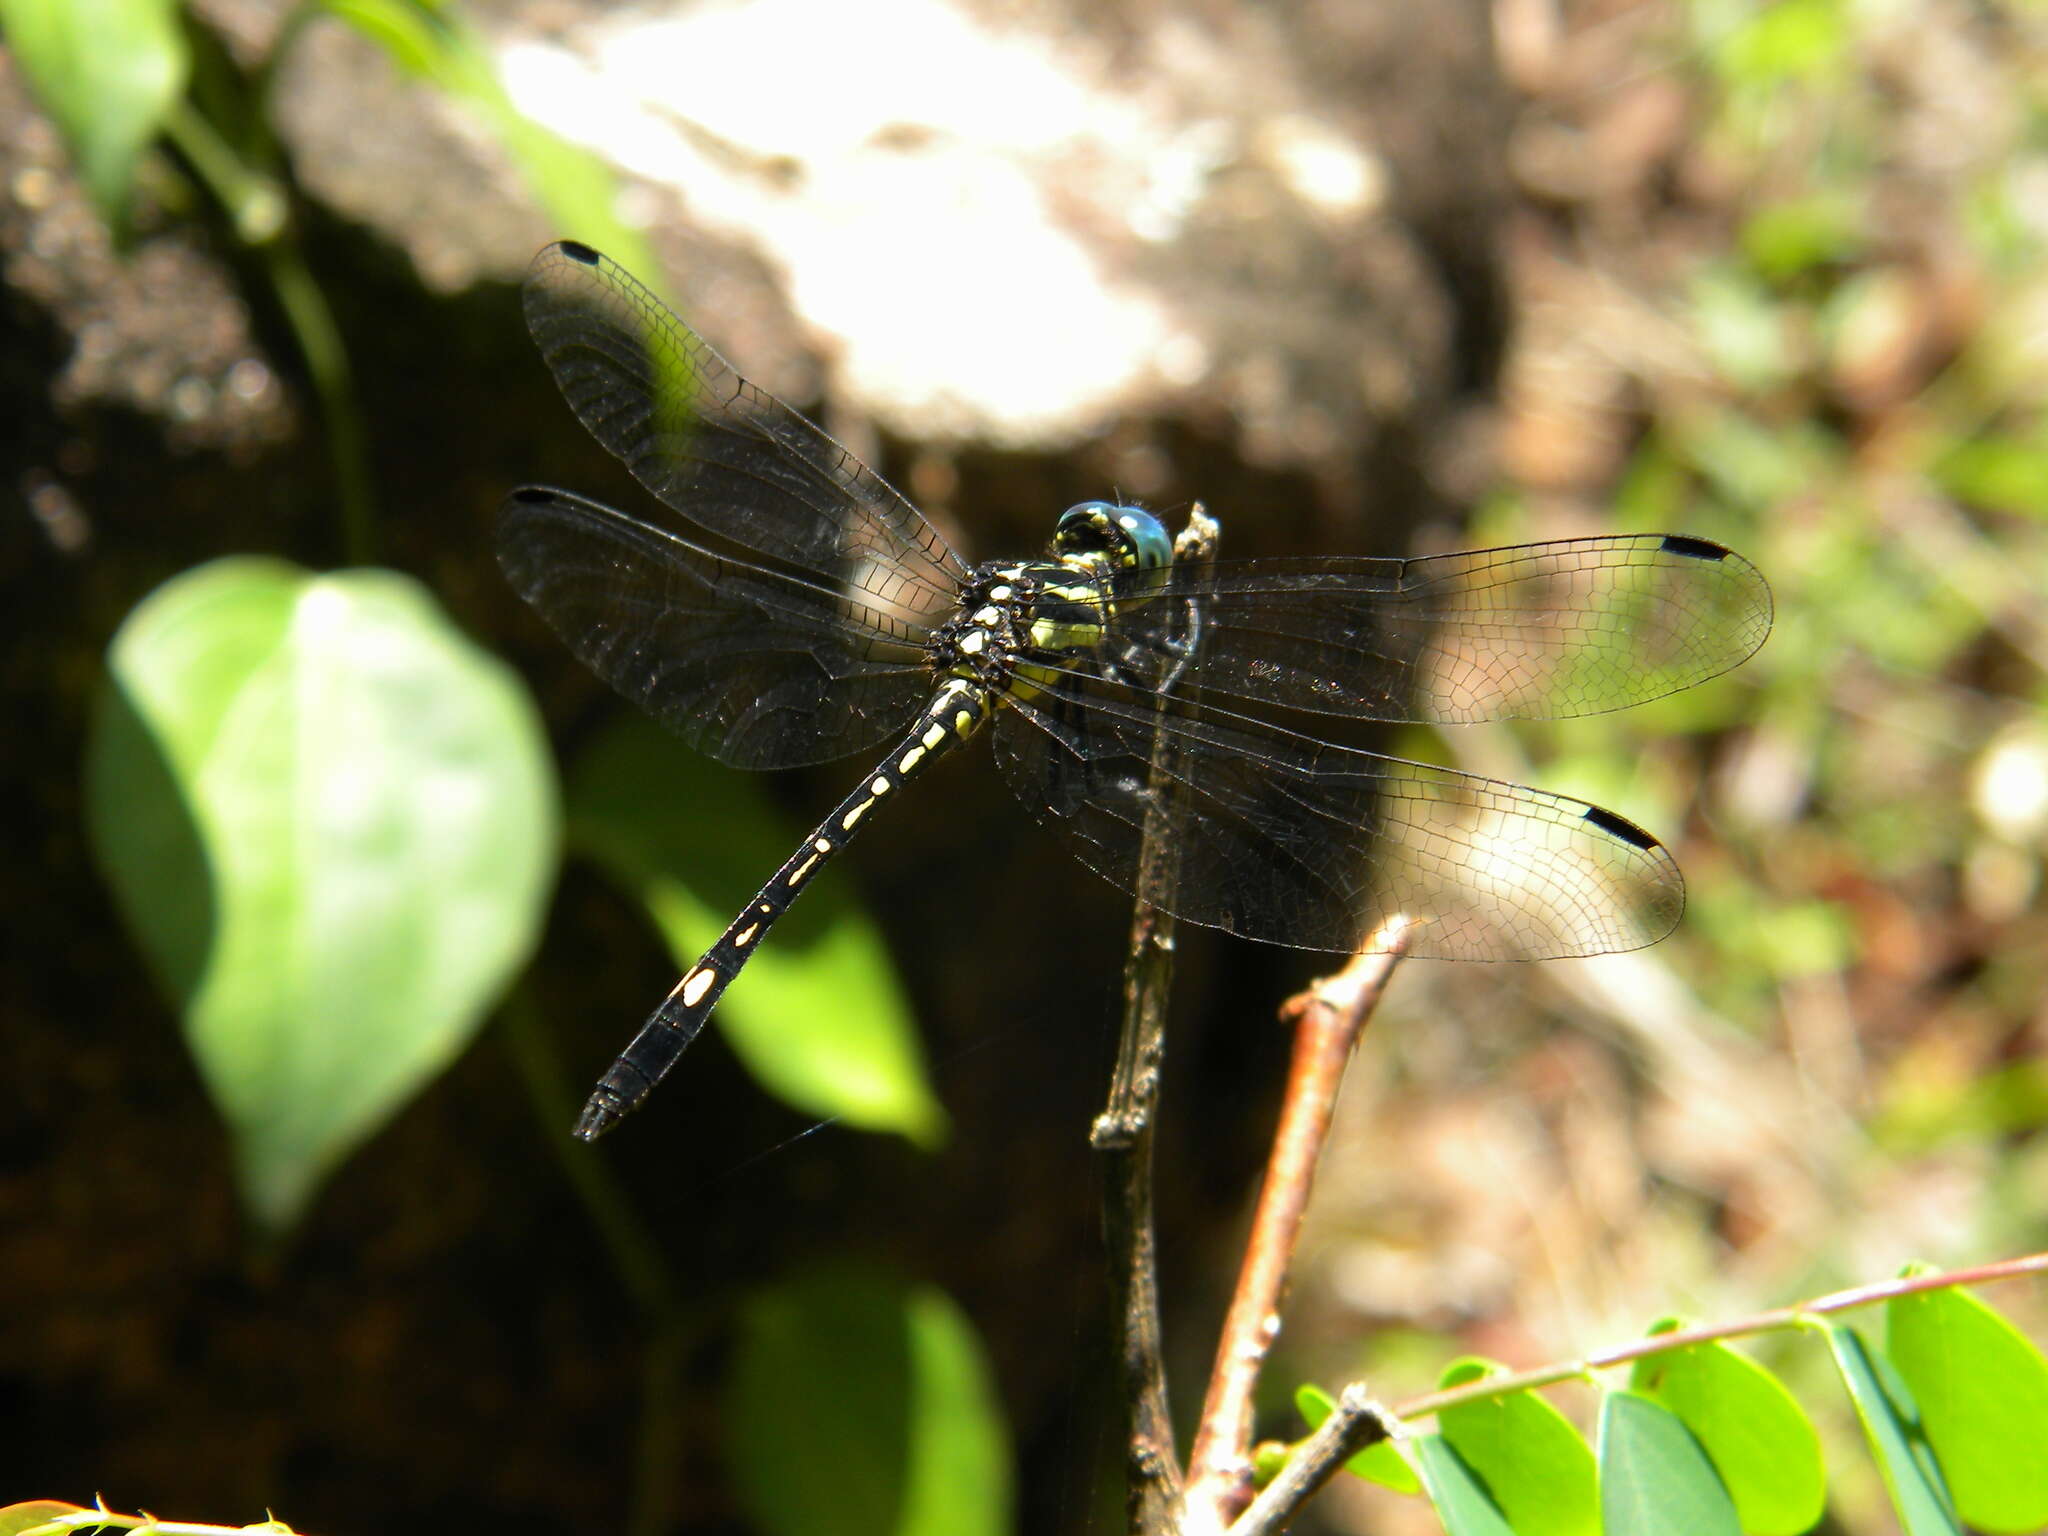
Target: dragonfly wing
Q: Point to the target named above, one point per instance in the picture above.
(753, 666)
(1538, 631)
(1293, 841)
(725, 455)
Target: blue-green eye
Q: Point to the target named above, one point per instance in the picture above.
(1133, 537)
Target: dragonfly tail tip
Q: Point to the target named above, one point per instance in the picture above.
(595, 1120)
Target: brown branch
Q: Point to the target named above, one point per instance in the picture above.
(1329, 1018)
(1123, 1135)
(1358, 1422)
(1123, 1132)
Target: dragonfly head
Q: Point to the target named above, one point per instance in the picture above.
(1129, 541)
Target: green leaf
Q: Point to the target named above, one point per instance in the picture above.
(818, 1016)
(1891, 1422)
(1982, 1388)
(1461, 1499)
(1380, 1463)
(1655, 1478)
(860, 1407)
(1759, 1439)
(1531, 1460)
(329, 819)
(35, 1515)
(107, 71)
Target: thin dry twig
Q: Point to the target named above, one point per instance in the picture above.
(1328, 1017)
(1358, 1422)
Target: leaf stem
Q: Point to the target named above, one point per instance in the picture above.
(1799, 1315)
(258, 209)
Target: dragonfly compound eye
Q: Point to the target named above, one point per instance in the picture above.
(1131, 537)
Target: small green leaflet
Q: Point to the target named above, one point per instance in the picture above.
(1461, 1499)
(1760, 1441)
(1528, 1456)
(1982, 1388)
(1892, 1424)
(1655, 1479)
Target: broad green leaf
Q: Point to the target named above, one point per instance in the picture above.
(860, 1407)
(1655, 1478)
(1982, 1388)
(16, 1519)
(1382, 1463)
(108, 72)
(1892, 1424)
(1531, 1460)
(818, 1016)
(330, 822)
(1461, 1499)
(1759, 1439)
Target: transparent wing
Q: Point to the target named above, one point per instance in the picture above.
(1538, 631)
(757, 667)
(729, 458)
(1294, 841)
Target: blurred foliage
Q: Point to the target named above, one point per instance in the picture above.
(863, 1407)
(331, 822)
(1865, 415)
(109, 72)
(1804, 279)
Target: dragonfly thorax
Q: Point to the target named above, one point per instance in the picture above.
(1103, 555)
(982, 639)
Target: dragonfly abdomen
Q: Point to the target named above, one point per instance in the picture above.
(958, 710)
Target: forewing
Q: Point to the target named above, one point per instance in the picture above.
(723, 454)
(1538, 631)
(754, 666)
(1293, 841)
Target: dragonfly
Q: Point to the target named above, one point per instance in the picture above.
(785, 606)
